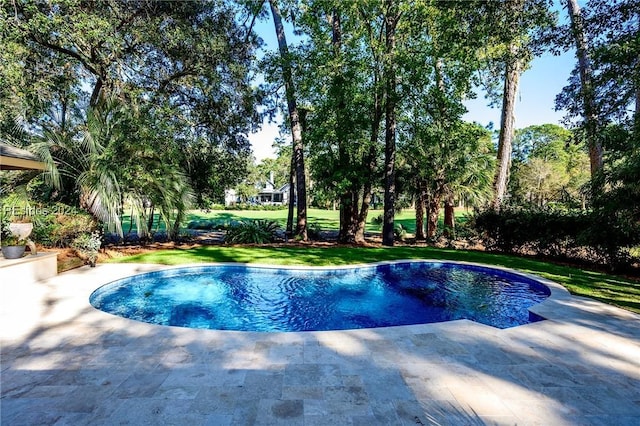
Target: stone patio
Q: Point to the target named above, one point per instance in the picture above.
(64, 362)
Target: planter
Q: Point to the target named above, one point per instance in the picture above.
(13, 252)
(21, 230)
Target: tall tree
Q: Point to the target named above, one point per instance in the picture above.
(513, 67)
(392, 17)
(438, 74)
(294, 121)
(515, 28)
(605, 86)
(340, 79)
(586, 86)
(369, 161)
(184, 64)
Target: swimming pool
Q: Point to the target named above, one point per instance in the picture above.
(251, 298)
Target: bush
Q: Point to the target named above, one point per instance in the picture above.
(377, 220)
(399, 232)
(259, 231)
(87, 246)
(249, 206)
(314, 231)
(576, 235)
(54, 225)
(59, 230)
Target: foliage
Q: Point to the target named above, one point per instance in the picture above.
(611, 28)
(577, 235)
(549, 166)
(7, 238)
(54, 224)
(87, 245)
(13, 240)
(180, 68)
(399, 232)
(279, 167)
(377, 220)
(252, 232)
(314, 230)
(60, 229)
(4, 226)
(246, 206)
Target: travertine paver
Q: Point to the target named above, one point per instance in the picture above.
(63, 362)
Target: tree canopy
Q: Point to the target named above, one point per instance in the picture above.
(147, 104)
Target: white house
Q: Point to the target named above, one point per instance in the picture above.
(268, 194)
(272, 195)
(230, 197)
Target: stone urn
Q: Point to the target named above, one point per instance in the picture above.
(21, 230)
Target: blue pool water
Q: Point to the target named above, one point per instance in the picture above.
(267, 299)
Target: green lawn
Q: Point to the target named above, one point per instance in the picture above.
(610, 289)
(328, 220)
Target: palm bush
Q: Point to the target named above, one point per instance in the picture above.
(114, 161)
(259, 231)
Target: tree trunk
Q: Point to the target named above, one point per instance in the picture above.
(636, 114)
(370, 162)
(370, 159)
(348, 217)
(449, 217)
(507, 122)
(150, 222)
(96, 93)
(433, 211)
(292, 197)
(294, 119)
(364, 212)
(349, 197)
(391, 20)
(420, 204)
(586, 87)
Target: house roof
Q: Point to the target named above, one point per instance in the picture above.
(12, 158)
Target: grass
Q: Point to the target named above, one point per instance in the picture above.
(609, 289)
(328, 220)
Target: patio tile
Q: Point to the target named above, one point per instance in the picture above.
(313, 375)
(280, 412)
(219, 400)
(70, 364)
(140, 385)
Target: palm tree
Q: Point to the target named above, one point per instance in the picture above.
(111, 163)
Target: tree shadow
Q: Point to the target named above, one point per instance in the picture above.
(77, 365)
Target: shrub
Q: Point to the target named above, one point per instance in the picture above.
(12, 240)
(55, 225)
(259, 231)
(579, 235)
(87, 246)
(314, 231)
(65, 228)
(377, 220)
(400, 232)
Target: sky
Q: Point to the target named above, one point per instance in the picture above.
(535, 104)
